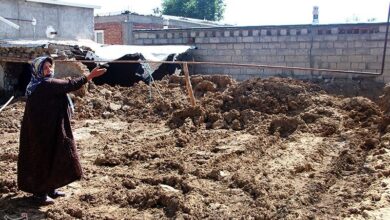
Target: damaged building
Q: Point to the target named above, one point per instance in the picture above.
(28, 34)
(15, 55)
(27, 27)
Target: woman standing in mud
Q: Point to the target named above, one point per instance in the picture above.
(47, 153)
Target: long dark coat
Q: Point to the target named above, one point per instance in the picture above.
(47, 153)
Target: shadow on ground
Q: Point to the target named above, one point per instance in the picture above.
(12, 208)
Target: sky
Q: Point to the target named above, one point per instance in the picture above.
(270, 12)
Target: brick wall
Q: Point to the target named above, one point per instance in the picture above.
(112, 32)
(356, 47)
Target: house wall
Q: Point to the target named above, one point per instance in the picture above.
(120, 26)
(71, 23)
(356, 47)
(113, 32)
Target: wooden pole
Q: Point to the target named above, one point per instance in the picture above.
(188, 84)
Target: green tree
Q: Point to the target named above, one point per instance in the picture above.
(201, 9)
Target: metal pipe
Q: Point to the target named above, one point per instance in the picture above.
(17, 19)
(2, 107)
(385, 46)
(10, 23)
(207, 63)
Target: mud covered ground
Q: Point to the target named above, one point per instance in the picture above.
(259, 149)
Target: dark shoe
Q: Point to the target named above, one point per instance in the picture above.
(43, 199)
(56, 193)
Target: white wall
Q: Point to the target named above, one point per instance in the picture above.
(71, 23)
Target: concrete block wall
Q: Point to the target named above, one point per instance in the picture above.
(357, 47)
(71, 23)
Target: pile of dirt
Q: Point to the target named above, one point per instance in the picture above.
(272, 148)
(221, 101)
(10, 118)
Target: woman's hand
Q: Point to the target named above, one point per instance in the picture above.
(96, 72)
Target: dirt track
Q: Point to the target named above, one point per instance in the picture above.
(260, 149)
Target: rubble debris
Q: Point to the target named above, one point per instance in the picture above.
(259, 149)
(64, 52)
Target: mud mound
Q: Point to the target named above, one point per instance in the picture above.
(10, 116)
(361, 111)
(162, 196)
(140, 100)
(384, 99)
(273, 95)
(205, 83)
(229, 107)
(221, 102)
(258, 149)
(284, 125)
(196, 114)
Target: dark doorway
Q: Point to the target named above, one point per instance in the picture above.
(17, 76)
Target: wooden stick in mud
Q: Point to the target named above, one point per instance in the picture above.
(6, 103)
(188, 84)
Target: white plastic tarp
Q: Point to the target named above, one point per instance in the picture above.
(152, 53)
(107, 52)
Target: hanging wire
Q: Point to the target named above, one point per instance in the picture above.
(148, 70)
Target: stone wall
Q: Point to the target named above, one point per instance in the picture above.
(71, 23)
(15, 67)
(14, 76)
(356, 47)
